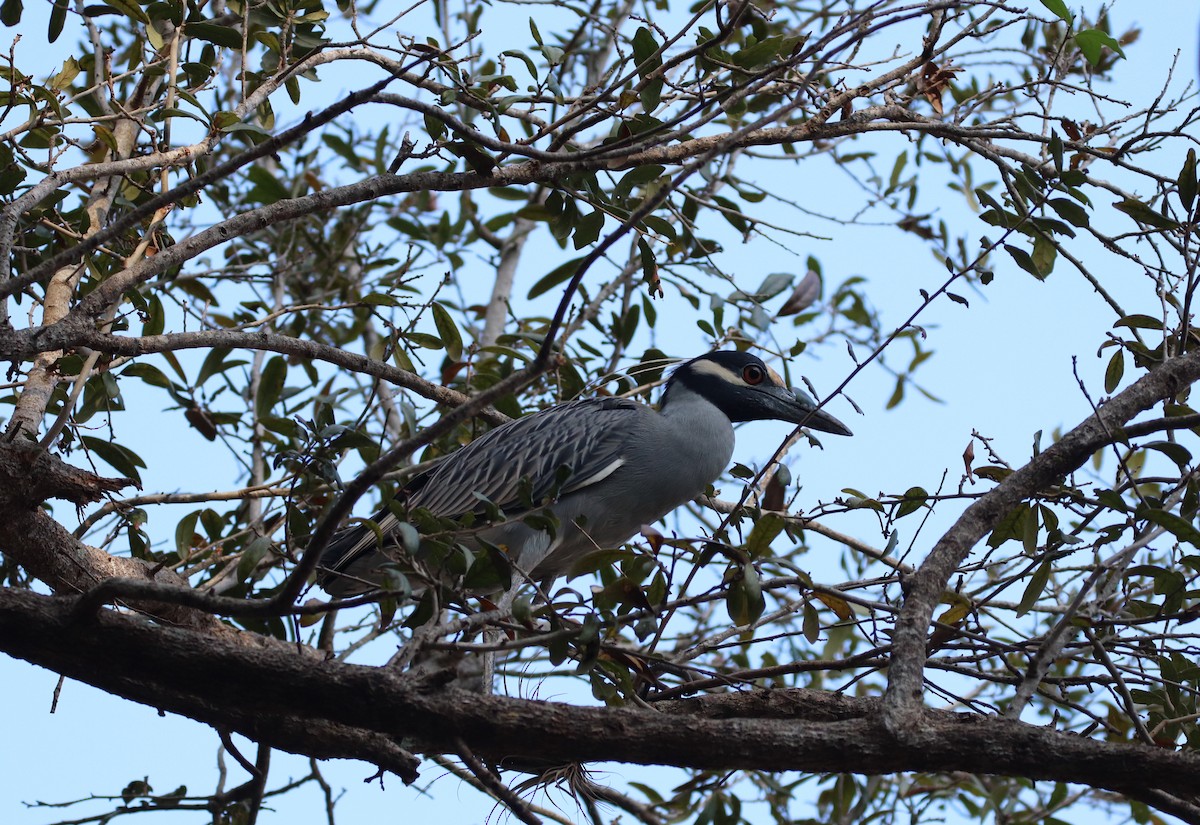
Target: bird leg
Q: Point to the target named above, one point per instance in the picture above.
(493, 635)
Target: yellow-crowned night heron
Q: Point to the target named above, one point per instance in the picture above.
(629, 465)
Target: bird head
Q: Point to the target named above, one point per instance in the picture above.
(743, 387)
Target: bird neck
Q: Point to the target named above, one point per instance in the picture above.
(688, 388)
(678, 394)
(698, 428)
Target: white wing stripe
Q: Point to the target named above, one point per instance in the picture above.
(597, 477)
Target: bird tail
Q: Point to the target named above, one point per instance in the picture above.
(348, 564)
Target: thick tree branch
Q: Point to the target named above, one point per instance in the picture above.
(45, 548)
(924, 588)
(29, 476)
(70, 338)
(225, 684)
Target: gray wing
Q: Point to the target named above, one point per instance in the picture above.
(587, 437)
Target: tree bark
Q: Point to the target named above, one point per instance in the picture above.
(277, 693)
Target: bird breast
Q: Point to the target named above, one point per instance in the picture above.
(668, 464)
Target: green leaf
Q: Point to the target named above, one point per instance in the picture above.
(1056, 151)
(265, 114)
(434, 127)
(214, 364)
(648, 58)
(185, 534)
(132, 10)
(1008, 527)
(1174, 451)
(1115, 371)
(645, 52)
(993, 473)
(380, 299)
(267, 188)
(251, 556)
(1033, 590)
(10, 12)
(1187, 181)
(956, 613)
(480, 161)
(1023, 260)
(1092, 41)
(1140, 322)
(1051, 226)
(245, 127)
(58, 16)
(11, 173)
(149, 373)
(1029, 531)
(155, 317)
(225, 36)
(270, 386)
(154, 38)
(758, 54)
(1044, 255)
(1181, 528)
(424, 340)
(490, 569)
(649, 266)
(506, 193)
(914, 498)
(63, 77)
(1144, 214)
(587, 229)
(660, 226)
(1059, 8)
(120, 458)
(812, 623)
(448, 332)
(524, 58)
(286, 427)
(1070, 211)
(897, 170)
(626, 327)
(636, 176)
(554, 277)
(1112, 500)
(758, 543)
(744, 601)
(651, 94)
(161, 10)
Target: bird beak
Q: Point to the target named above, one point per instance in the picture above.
(795, 406)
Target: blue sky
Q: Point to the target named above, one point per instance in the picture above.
(1003, 367)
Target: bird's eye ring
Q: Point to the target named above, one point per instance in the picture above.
(753, 374)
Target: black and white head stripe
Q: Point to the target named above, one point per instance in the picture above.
(741, 369)
(745, 388)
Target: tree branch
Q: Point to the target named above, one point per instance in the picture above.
(222, 683)
(924, 588)
(66, 338)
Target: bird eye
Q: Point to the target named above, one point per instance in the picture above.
(753, 374)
